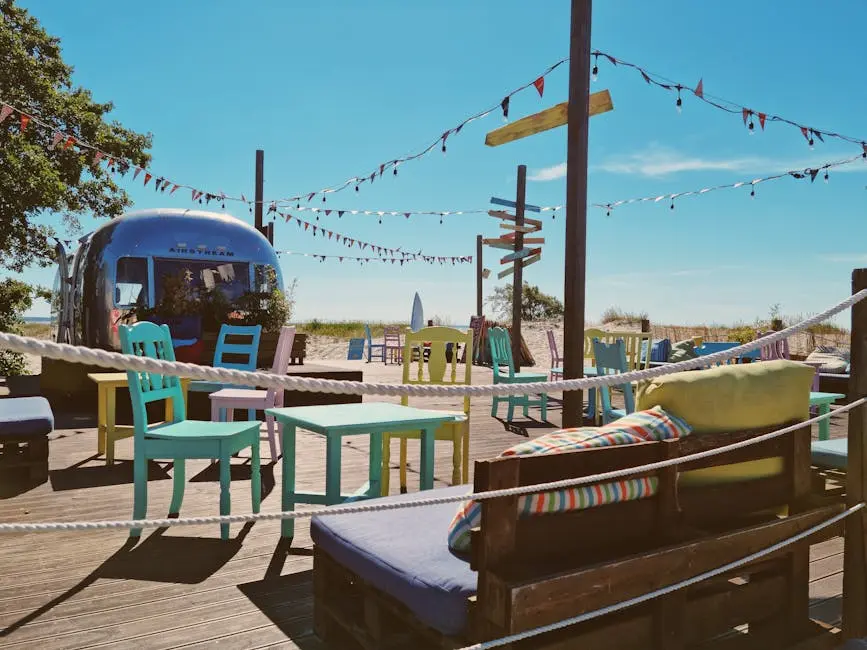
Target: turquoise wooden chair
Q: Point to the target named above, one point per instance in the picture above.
(179, 439)
(611, 359)
(249, 351)
(371, 346)
(501, 357)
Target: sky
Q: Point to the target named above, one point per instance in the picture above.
(332, 89)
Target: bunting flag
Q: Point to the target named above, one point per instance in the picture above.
(810, 172)
(398, 213)
(381, 251)
(427, 259)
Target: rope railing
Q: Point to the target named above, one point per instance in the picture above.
(107, 359)
(378, 507)
(587, 616)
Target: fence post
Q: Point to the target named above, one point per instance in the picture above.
(855, 545)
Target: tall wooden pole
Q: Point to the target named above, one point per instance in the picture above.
(576, 207)
(855, 544)
(479, 275)
(260, 191)
(518, 275)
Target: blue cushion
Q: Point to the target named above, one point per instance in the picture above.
(25, 416)
(405, 554)
(660, 350)
(830, 453)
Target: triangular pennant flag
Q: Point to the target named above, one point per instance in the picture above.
(176, 186)
(805, 133)
(327, 212)
(243, 198)
(864, 147)
(25, 120)
(97, 156)
(644, 74)
(381, 169)
(340, 214)
(813, 173)
(148, 176)
(5, 112)
(138, 170)
(818, 134)
(762, 118)
(310, 196)
(505, 106)
(314, 231)
(57, 138)
(699, 89)
(306, 225)
(330, 233)
(540, 85)
(69, 142)
(746, 113)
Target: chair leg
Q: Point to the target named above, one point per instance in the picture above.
(256, 475)
(385, 474)
(495, 403)
(251, 415)
(544, 406)
(225, 498)
(403, 465)
(456, 458)
(140, 494)
(272, 442)
(510, 414)
(178, 484)
(465, 447)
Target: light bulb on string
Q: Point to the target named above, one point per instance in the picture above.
(826, 175)
(753, 192)
(671, 207)
(679, 102)
(752, 127)
(595, 73)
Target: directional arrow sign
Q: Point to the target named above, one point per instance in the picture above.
(524, 252)
(511, 204)
(499, 243)
(524, 264)
(550, 118)
(511, 226)
(501, 214)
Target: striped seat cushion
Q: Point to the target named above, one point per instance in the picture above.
(642, 426)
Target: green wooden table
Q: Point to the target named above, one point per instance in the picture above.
(334, 421)
(823, 401)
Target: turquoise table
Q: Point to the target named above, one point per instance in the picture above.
(823, 401)
(334, 421)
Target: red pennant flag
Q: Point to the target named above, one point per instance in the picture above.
(174, 188)
(699, 89)
(746, 114)
(57, 138)
(25, 120)
(138, 170)
(864, 147)
(148, 176)
(805, 133)
(762, 118)
(381, 169)
(69, 142)
(306, 225)
(330, 233)
(97, 157)
(5, 112)
(540, 85)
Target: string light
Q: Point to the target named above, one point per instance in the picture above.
(679, 103)
(594, 75)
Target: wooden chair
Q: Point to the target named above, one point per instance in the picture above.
(248, 351)
(391, 341)
(440, 371)
(633, 342)
(371, 346)
(226, 400)
(611, 359)
(556, 359)
(179, 439)
(501, 357)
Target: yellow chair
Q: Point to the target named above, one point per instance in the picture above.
(632, 340)
(429, 346)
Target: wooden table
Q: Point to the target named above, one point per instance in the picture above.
(823, 401)
(334, 421)
(108, 431)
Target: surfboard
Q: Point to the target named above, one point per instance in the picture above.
(417, 320)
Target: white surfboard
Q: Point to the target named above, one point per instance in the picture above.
(417, 320)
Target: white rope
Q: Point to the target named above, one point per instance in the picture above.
(430, 501)
(520, 636)
(104, 358)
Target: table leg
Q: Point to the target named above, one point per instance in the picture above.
(101, 420)
(332, 469)
(287, 528)
(110, 423)
(824, 425)
(374, 469)
(427, 458)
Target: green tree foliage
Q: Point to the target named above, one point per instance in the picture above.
(16, 297)
(36, 179)
(535, 305)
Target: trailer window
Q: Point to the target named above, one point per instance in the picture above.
(230, 279)
(266, 278)
(131, 282)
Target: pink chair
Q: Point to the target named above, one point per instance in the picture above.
(778, 350)
(393, 348)
(257, 400)
(556, 359)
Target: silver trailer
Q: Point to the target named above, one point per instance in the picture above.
(122, 264)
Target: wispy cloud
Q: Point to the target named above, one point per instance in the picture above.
(655, 161)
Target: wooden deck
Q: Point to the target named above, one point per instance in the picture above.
(183, 587)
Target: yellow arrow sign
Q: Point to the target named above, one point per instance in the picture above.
(550, 118)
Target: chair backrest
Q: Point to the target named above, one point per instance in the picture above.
(501, 350)
(778, 350)
(282, 356)
(710, 347)
(391, 336)
(249, 350)
(368, 334)
(611, 360)
(552, 346)
(633, 343)
(440, 370)
(146, 339)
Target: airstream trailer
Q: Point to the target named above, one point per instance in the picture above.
(123, 264)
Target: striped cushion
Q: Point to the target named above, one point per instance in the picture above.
(642, 426)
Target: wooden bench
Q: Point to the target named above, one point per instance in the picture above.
(25, 423)
(386, 588)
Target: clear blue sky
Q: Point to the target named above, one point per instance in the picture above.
(331, 89)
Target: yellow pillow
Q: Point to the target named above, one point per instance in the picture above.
(733, 397)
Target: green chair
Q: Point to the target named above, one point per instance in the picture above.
(501, 358)
(611, 360)
(179, 439)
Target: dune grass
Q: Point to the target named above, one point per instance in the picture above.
(344, 329)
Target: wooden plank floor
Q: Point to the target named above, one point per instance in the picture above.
(183, 587)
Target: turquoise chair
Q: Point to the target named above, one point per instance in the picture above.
(501, 357)
(611, 359)
(179, 439)
(371, 346)
(248, 350)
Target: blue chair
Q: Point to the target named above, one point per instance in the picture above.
(356, 349)
(709, 347)
(179, 439)
(371, 346)
(250, 351)
(501, 357)
(610, 360)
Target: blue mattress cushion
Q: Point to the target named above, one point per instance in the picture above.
(830, 453)
(405, 554)
(25, 416)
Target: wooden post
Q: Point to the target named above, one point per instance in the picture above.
(855, 546)
(479, 278)
(260, 186)
(270, 232)
(576, 208)
(518, 275)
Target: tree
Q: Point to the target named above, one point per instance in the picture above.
(36, 178)
(535, 305)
